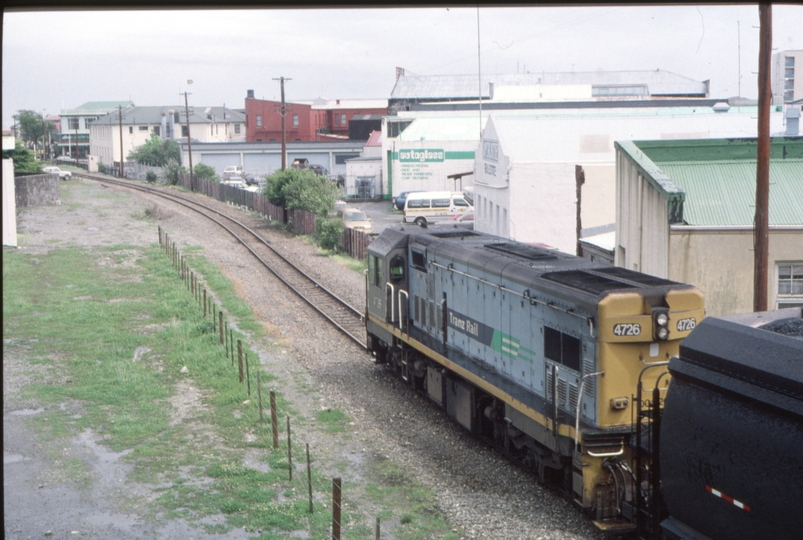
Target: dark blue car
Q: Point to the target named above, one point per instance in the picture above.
(401, 198)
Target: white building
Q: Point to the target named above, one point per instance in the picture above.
(421, 153)
(363, 179)
(75, 125)
(786, 87)
(209, 124)
(525, 174)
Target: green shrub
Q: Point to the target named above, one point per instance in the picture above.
(329, 233)
(302, 189)
(150, 177)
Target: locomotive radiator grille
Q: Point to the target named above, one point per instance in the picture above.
(573, 395)
(588, 387)
(561, 391)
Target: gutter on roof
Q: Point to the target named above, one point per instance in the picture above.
(729, 228)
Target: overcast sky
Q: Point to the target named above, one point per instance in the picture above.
(61, 60)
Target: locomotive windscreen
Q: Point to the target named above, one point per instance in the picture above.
(586, 281)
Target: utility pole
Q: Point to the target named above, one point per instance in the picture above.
(120, 118)
(761, 230)
(43, 134)
(284, 133)
(189, 143)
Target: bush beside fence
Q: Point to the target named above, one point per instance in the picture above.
(355, 243)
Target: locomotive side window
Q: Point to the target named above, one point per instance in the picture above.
(375, 274)
(372, 269)
(563, 348)
(397, 269)
(419, 260)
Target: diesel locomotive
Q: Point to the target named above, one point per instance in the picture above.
(538, 352)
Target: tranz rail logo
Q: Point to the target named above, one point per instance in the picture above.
(422, 155)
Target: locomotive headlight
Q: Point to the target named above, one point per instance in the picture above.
(660, 323)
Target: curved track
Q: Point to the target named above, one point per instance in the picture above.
(347, 319)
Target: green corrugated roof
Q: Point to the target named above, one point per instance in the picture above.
(716, 178)
(723, 193)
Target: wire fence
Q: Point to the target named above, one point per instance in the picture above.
(323, 495)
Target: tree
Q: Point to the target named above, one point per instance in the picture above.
(156, 152)
(171, 173)
(302, 189)
(24, 160)
(31, 126)
(205, 172)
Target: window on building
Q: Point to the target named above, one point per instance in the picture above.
(236, 128)
(789, 285)
(130, 129)
(789, 61)
(156, 130)
(789, 73)
(343, 119)
(143, 128)
(295, 120)
(73, 123)
(184, 131)
(259, 120)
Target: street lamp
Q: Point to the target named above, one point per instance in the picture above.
(189, 140)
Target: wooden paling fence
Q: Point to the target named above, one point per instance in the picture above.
(355, 243)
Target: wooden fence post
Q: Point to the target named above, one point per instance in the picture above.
(273, 421)
(336, 498)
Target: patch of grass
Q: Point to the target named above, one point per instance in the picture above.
(333, 420)
(416, 506)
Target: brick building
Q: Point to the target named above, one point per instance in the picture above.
(317, 120)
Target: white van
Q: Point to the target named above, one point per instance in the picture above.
(425, 207)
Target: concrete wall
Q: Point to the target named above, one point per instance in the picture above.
(720, 263)
(9, 205)
(37, 190)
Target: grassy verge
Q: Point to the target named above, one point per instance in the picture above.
(119, 335)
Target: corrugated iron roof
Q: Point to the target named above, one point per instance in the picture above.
(153, 115)
(658, 82)
(723, 193)
(96, 107)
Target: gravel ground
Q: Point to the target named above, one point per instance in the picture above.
(482, 495)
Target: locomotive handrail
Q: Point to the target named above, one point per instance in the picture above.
(577, 410)
(392, 301)
(645, 368)
(400, 309)
(609, 454)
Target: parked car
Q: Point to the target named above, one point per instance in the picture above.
(63, 175)
(462, 221)
(354, 218)
(401, 198)
(235, 181)
(231, 171)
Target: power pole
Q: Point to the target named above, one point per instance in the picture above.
(120, 118)
(43, 134)
(761, 230)
(189, 143)
(284, 133)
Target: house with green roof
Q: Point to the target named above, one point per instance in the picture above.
(75, 125)
(685, 211)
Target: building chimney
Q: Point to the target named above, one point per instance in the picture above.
(250, 95)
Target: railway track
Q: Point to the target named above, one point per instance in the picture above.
(345, 318)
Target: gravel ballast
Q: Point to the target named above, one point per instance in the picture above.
(481, 495)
